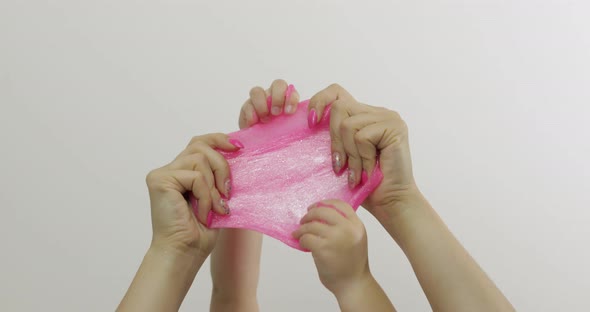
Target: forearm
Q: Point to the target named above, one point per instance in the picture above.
(365, 295)
(235, 268)
(449, 276)
(162, 281)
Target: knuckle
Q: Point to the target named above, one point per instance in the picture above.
(346, 125)
(255, 90)
(360, 138)
(198, 176)
(194, 140)
(337, 105)
(279, 83)
(151, 177)
(199, 158)
(335, 86)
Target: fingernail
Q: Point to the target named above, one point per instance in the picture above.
(312, 118)
(236, 143)
(254, 117)
(289, 109)
(228, 187)
(209, 218)
(223, 204)
(336, 162)
(351, 179)
(275, 110)
(364, 176)
(288, 93)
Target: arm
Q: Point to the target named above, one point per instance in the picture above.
(235, 267)
(337, 239)
(162, 281)
(449, 276)
(235, 264)
(181, 242)
(451, 279)
(367, 295)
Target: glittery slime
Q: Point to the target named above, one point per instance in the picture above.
(284, 168)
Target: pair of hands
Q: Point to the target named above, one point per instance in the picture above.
(331, 230)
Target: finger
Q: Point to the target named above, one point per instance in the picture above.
(213, 140)
(195, 162)
(291, 100)
(355, 163)
(331, 216)
(338, 114)
(218, 165)
(192, 181)
(316, 228)
(277, 95)
(310, 242)
(218, 203)
(220, 169)
(361, 144)
(248, 116)
(258, 98)
(318, 103)
(342, 207)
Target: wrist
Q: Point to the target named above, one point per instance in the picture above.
(354, 291)
(177, 249)
(352, 287)
(174, 256)
(399, 205)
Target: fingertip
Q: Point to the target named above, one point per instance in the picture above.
(253, 118)
(312, 118)
(236, 143)
(209, 219)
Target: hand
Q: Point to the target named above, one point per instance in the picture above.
(201, 174)
(337, 239)
(263, 104)
(361, 134)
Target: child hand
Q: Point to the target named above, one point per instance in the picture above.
(273, 101)
(200, 173)
(337, 239)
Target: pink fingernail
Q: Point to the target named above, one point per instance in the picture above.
(289, 92)
(236, 143)
(364, 176)
(312, 118)
(209, 218)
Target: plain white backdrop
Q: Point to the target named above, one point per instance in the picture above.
(94, 94)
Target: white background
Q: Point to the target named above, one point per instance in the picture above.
(94, 94)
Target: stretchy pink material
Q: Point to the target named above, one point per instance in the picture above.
(283, 168)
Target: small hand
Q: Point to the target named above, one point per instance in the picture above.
(337, 239)
(201, 174)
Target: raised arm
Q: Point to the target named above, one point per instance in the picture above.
(181, 242)
(449, 276)
(337, 239)
(235, 264)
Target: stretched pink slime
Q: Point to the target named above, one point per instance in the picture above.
(284, 167)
